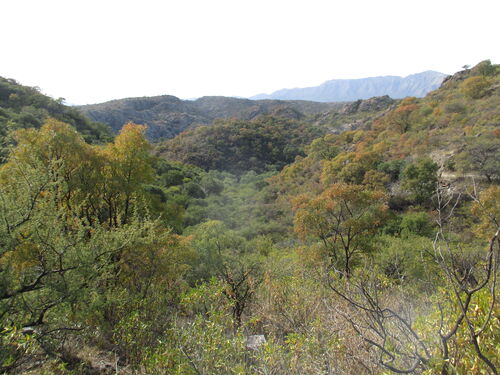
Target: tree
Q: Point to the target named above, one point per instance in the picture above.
(225, 255)
(482, 155)
(125, 166)
(63, 269)
(485, 68)
(475, 87)
(420, 180)
(131, 163)
(402, 117)
(51, 261)
(344, 217)
(458, 333)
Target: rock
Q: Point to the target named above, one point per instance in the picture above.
(458, 76)
(28, 331)
(374, 104)
(254, 342)
(347, 127)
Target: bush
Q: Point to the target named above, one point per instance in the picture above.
(418, 223)
(475, 87)
(420, 180)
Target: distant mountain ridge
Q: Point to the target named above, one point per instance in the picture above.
(339, 90)
(167, 116)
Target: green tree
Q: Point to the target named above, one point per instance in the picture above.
(485, 68)
(227, 256)
(51, 260)
(344, 217)
(420, 180)
(481, 155)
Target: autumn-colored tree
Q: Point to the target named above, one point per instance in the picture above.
(128, 165)
(401, 117)
(343, 217)
(59, 152)
(349, 167)
(51, 260)
(63, 269)
(475, 87)
(486, 207)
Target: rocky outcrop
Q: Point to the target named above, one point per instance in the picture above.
(375, 104)
(457, 77)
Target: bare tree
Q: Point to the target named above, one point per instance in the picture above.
(388, 325)
(466, 275)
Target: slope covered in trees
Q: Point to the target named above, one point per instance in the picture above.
(237, 146)
(167, 116)
(25, 107)
(373, 251)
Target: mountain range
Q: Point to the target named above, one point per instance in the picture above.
(167, 116)
(339, 90)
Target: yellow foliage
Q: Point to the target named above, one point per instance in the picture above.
(487, 209)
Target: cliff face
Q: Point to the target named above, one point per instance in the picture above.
(353, 89)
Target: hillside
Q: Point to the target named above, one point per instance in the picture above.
(360, 240)
(456, 127)
(25, 107)
(266, 142)
(341, 90)
(238, 146)
(167, 116)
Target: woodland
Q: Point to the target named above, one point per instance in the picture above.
(274, 246)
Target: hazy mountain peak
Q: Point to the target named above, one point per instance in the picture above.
(338, 90)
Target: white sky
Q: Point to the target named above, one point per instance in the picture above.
(96, 50)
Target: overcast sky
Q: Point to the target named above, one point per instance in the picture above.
(92, 51)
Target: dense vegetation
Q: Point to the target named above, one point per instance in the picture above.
(238, 146)
(25, 107)
(279, 248)
(167, 116)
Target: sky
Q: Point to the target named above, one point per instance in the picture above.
(89, 51)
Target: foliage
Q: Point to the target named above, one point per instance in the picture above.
(237, 146)
(343, 217)
(23, 107)
(225, 255)
(475, 87)
(485, 68)
(403, 116)
(420, 180)
(355, 258)
(481, 154)
(66, 232)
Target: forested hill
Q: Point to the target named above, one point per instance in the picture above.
(166, 116)
(341, 90)
(455, 125)
(25, 107)
(350, 242)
